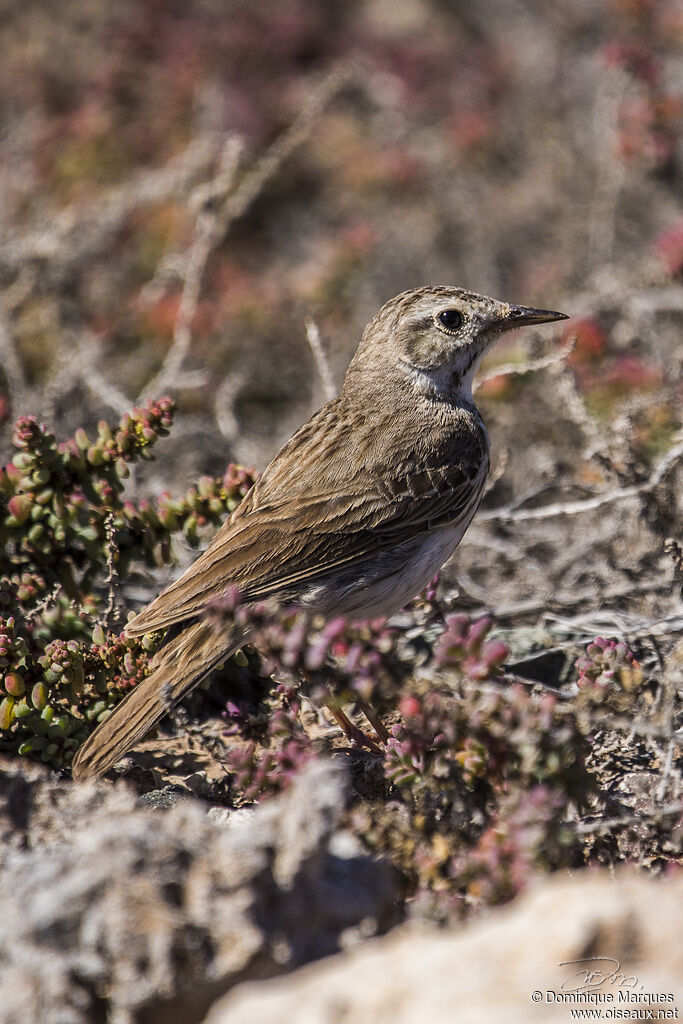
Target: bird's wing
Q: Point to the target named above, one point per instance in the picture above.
(286, 540)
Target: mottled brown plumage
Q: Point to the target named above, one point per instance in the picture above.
(356, 512)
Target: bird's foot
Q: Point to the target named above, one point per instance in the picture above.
(375, 721)
(351, 731)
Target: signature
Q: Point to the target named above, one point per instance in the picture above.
(595, 972)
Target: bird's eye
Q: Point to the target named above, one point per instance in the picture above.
(451, 319)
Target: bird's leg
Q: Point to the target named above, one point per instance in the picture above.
(351, 731)
(375, 721)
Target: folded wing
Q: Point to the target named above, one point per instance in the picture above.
(274, 544)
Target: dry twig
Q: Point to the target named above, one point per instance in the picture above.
(79, 232)
(532, 366)
(321, 360)
(607, 824)
(214, 220)
(509, 514)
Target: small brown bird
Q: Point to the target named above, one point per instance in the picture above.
(355, 514)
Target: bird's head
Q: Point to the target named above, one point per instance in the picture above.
(437, 336)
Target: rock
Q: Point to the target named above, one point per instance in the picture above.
(162, 799)
(37, 809)
(489, 971)
(113, 911)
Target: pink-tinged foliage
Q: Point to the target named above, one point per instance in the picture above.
(608, 664)
(466, 738)
(635, 58)
(360, 658)
(648, 121)
(590, 341)
(269, 769)
(485, 777)
(669, 248)
(463, 644)
(629, 372)
(525, 836)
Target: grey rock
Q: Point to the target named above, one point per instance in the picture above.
(228, 817)
(162, 799)
(519, 965)
(115, 912)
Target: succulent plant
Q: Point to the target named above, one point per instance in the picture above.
(608, 664)
(480, 774)
(64, 523)
(269, 768)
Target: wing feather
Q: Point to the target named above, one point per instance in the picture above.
(280, 543)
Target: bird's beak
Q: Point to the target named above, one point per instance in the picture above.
(525, 316)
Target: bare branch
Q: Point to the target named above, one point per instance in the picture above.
(238, 202)
(666, 771)
(571, 508)
(112, 579)
(656, 300)
(214, 220)
(499, 469)
(224, 405)
(588, 625)
(209, 229)
(11, 364)
(510, 369)
(78, 232)
(87, 359)
(575, 407)
(608, 824)
(630, 303)
(576, 599)
(321, 361)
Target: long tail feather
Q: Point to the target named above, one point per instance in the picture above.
(180, 665)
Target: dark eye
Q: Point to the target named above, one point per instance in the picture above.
(450, 319)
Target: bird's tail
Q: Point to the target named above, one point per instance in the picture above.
(177, 668)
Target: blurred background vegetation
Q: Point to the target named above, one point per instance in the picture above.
(182, 185)
(527, 150)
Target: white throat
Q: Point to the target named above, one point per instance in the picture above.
(453, 380)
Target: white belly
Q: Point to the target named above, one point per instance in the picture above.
(388, 581)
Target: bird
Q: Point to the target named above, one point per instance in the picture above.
(354, 515)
